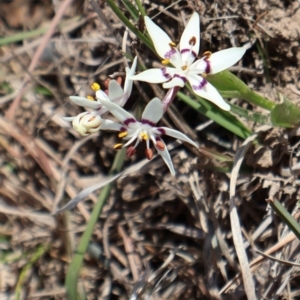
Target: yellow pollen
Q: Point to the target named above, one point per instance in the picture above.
(184, 67)
(144, 136)
(165, 61)
(204, 75)
(95, 87)
(207, 54)
(123, 134)
(172, 44)
(89, 97)
(118, 146)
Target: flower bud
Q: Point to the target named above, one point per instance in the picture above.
(86, 123)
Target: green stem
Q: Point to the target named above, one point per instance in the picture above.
(75, 265)
(258, 100)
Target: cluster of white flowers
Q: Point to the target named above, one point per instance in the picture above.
(185, 69)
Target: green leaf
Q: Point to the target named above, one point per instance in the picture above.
(230, 86)
(216, 114)
(75, 265)
(132, 9)
(285, 216)
(285, 114)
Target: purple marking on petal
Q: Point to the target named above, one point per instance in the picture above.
(162, 131)
(128, 121)
(148, 122)
(170, 53)
(207, 68)
(181, 77)
(188, 50)
(165, 73)
(200, 86)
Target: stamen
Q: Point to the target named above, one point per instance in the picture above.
(165, 61)
(123, 134)
(192, 41)
(184, 67)
(95, 87)
(204, 75)
(130, 151)
(149, 153)
(144, 136)
(118, 146)
(89, 97)
(207, 54)
(160, 145)
(172, 45)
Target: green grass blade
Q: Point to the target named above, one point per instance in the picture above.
(250, 115)
(141, 8)
(285, 216)
(34, 33)
(216, 114)
(128, 24)
(75, 265)
(38, 253)
(131, 9)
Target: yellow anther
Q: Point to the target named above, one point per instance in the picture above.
(204, 75)
(123, 134)
(90, 98)
(118, 146)
(165, 61)
(172, 44)
(144, 136)
(95, 87)
(207, 54)
(184, 68)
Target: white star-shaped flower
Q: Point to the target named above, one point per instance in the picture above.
(89, 122)
(185, 68)
(135, 131)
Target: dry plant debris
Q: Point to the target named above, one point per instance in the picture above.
(159, 237)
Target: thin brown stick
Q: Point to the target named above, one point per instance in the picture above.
(11, 111)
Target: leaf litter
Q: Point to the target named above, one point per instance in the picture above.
(158, 237)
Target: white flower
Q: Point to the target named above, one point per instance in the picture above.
(145, 130)
(185, 69)
(89, 122)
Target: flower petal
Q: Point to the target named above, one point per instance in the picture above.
(203, 88)
(110, 125)
(177, 135)
(159, 38)
(69, 119)
(128, 82)
(116, 110)
(115, 92)
(224, 59)
(81, 101)
(101, 95)
(154, 75)
(153, 112)
(190, 35)
(166, 157)
(176, 81)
